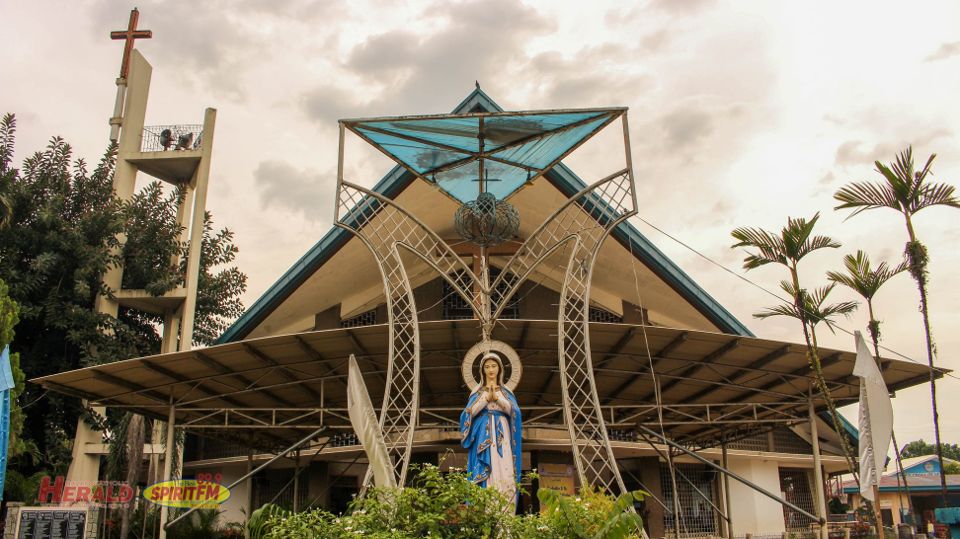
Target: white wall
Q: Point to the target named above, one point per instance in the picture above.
(751, 511)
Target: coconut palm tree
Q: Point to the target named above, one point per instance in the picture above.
(787, 248)
(905, 189)
(866, 281)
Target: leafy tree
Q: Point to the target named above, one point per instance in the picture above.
(919, 448)
(905, 190)
(18, 449)
(787, 248)
(8, 128)
(63, 235)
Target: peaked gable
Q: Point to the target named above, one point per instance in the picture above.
(560, 176)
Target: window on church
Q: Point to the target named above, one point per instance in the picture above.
(457, 308)
(795, 486)
(368, 318)
(596, 314)
(697, 514)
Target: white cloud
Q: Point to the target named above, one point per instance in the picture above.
(741, 114)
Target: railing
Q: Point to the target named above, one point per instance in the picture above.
(161, 138)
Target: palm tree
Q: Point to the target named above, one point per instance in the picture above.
(866, 281)
(905, 190)
(795, 241)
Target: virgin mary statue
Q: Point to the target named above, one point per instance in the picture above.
(490, 429)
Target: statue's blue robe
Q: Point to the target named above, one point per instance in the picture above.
(475, 437)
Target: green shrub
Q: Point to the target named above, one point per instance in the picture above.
(438, 505)
(263, 518)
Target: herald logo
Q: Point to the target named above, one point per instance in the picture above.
(57, 491)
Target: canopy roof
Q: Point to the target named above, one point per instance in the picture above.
(712, 383)
(511, 148)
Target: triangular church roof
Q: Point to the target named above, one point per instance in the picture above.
(561, 177)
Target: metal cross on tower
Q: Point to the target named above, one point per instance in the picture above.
(129, 36)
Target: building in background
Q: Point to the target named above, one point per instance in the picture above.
(920, 481)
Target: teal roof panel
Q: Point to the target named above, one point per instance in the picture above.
(512, 147)
(460, 133)
(501, 179)
(541, 152)
(421, 157)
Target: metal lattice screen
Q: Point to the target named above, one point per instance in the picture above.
(368, 318)
(697, 515)
(781, 440)
(455, 307)
(795, 486)
(596, 314)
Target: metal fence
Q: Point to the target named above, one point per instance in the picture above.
(162, 138)
(795, 485)
(698, 517)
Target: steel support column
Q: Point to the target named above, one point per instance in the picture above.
(817, 471)
(168, 467)
(726, 492)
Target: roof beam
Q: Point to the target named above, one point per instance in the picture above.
(662, 353)
(757, 364)
(224, 370)
(617, 347)
(132, 386)
(284, 371)
(802, 371)
(151, 366)
(312, 352)
(694, 369)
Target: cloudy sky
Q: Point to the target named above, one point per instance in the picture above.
(742, 113)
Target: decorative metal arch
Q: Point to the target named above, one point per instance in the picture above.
(583, 222)
(385, 228)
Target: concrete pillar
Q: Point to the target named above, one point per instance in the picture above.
(85, 466)
(125, 175)
(755, 513)
(200, 181)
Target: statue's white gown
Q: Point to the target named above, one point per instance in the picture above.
(501, 467)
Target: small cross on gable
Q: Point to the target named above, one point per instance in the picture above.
(129, 35)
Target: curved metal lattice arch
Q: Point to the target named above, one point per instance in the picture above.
(586, 219)
(595, 206)
(385, 228)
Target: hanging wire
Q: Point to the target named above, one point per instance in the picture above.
(678, 520)
(774, 294)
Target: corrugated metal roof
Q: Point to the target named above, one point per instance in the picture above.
(276, 377)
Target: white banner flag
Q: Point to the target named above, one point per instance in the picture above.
(876, 418)
(364, 421)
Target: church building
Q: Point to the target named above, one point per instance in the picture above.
(669, 363)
